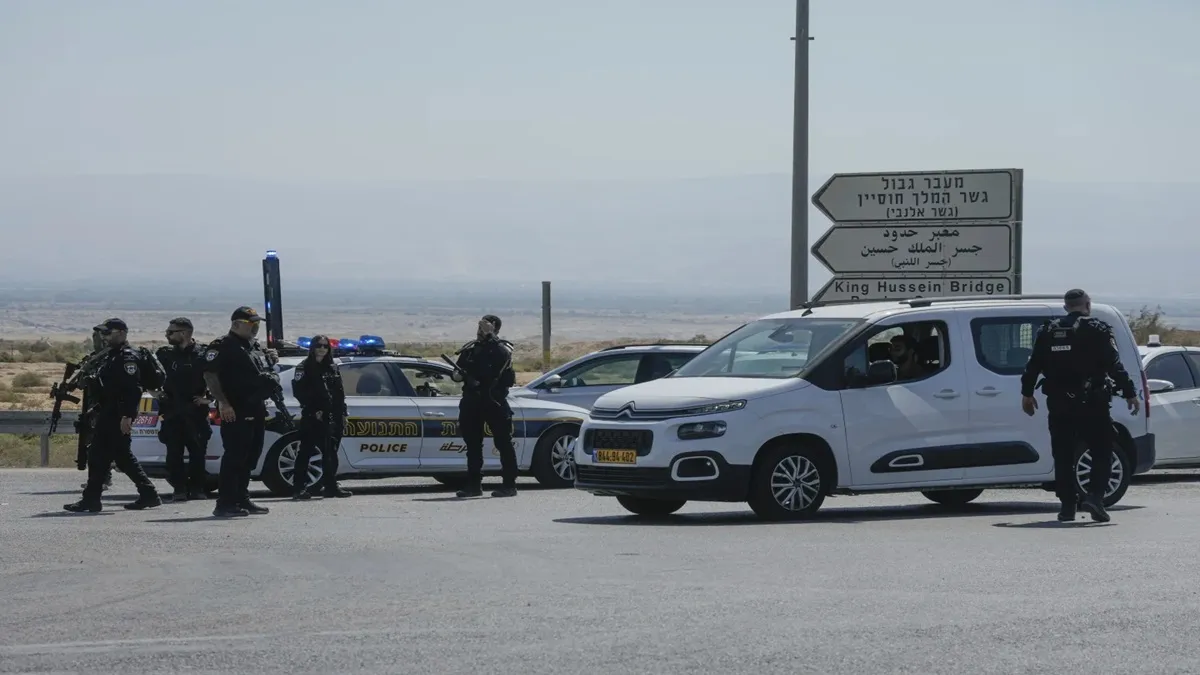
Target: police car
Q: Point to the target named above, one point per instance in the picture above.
(794, 407)
(403, 421)
(1173, 377)
(582, 381)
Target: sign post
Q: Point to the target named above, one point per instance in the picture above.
(912, 234)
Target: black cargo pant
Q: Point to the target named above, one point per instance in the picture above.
(473, 414)
(1073, 424)
(316, 437)
(110, 446)
(186, 430)
(242, 440)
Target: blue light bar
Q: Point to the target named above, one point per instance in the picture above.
(373, 342)
(347, 343)
(304, 342)
(272, 254)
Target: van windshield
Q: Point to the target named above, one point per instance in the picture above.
(767, 348)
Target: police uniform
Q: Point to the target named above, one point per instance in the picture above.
(247, 380)
(118, 394)
(1078, 354)
(318, 388)
(487, 373)
(184, 423)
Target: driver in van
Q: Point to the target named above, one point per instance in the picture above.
(903, 350)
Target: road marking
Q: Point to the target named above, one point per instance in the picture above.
(108, 645)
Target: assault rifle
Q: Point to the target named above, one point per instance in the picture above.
(77, 376)
(282, 422)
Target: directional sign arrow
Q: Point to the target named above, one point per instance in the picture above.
(916, 249)
(917, 196)
(876, 288)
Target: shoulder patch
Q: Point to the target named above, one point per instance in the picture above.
(210, 355)
(131, 368)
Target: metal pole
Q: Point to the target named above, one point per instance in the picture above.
(44, 442)
(800, 162)
(545, 326)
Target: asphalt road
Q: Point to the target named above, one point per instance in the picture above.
(402, 578)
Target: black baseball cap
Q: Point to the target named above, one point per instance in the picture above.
(111, 324)
(244, 313)
(182, 321)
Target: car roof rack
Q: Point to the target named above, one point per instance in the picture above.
(925, 302)
(656, 344)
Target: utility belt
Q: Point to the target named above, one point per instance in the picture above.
(1085, 391)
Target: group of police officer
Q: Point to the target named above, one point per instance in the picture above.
(1075, 356)
(235, 372)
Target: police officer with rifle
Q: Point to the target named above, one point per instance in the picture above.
(1078, 356)
(317, 385)
(183, 407)
(484, 366)
(240, 376)
(79, 376)
(117, 385)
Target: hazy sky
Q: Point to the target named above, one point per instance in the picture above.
(397, 89)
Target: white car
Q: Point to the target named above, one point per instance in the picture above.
(799, 405)
(587, 378)
(403, 421)
(1173, 377)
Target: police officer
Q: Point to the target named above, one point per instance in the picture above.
(1078, 355)
(183, 408)
(485, 368)
(239, 376)
(118, 394)
(317, 385)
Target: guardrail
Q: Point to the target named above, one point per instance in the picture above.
(36, 422)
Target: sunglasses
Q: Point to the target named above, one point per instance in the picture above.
(320, 346)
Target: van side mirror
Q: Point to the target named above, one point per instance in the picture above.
(882, 372)
(552, 382)
(1160, 386)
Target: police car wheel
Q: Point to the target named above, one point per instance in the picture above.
(789, 482)
(1118, 482)
(952, 497)
(554, 457)
(650, 508)
(280, 464)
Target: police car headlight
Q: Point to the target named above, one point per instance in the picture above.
(698, 430)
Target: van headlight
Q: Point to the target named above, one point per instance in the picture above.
(698, 430)
(714, 408)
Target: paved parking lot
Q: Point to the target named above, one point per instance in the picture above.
(402, 578)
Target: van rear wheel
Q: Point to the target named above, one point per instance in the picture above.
(1119, 478)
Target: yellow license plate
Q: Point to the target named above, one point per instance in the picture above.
(616, 456)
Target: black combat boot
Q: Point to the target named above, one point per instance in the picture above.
(250, 507)
(145, 501)
(1094, 505)
(506, 490)
(229, 511)
(336, 491)
(1067, 513)
(472, 489)
(84, 506)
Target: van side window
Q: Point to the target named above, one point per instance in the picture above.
(1173, 368)
(1003, 344)
(919, 350)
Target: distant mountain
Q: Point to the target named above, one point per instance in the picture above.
(724, 236)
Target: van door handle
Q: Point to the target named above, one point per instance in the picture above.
(988, 391)
(430, 413)
(946, 393)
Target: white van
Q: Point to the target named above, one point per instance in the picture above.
(802, 404)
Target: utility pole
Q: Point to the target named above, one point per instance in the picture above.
(800, 161)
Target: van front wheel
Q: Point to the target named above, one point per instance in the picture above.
(789, 483)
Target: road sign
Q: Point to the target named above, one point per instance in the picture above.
(922, 248)
(919, 196)
(879, 287)
(906, 234)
